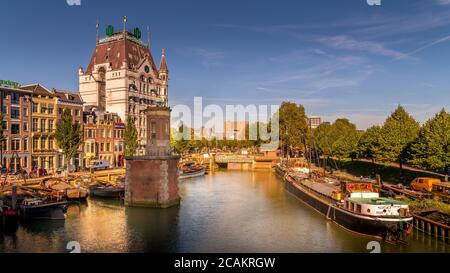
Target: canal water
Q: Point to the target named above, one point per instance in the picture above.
(228, 211)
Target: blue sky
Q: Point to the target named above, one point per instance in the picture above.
(337, 58)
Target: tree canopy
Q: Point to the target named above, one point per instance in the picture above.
(68, 136)
(431, 149)
(399, 130)
(130, 137)
(293, 124)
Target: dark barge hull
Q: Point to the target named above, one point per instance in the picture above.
(356, 223)
(107, 193)
(54, 211)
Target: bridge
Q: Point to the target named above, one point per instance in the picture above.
(245, 162)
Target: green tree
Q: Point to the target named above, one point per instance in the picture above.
(339, 139)
(346, 139)
(399, 130)
(369, 143)
(323, 139)
(431, 149)
(182, 139)
(130, 137)
(68, 137)
(293, 125)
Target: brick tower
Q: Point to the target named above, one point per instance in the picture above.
(152, 180)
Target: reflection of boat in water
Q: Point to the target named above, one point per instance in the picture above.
(106, 190)
(189, 170)
(355, 206)
(36, 208)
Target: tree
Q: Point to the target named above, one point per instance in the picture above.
(338, 139)
(323, 139)
(431, 149)
(130, 137)
(68, 137)
(399, 130)
(346, 139)
(369, 143)
(182, 139)
(293, 125)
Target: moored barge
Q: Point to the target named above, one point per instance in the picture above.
(354, 206)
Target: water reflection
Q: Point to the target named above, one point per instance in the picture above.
(228, 211)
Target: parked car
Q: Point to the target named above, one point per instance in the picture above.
(424, 183)
(99, 165)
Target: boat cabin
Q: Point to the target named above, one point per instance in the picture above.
(371, 204)
(32, 202)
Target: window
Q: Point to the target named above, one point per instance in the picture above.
(5, 125)
(35, 107)
(116, 147)
(50, 143)
(50, 161)
(15, 129)
(35, 125)
(15, 113)
(42, 144)
(15, 98)
(50, 126)
(102, 147)
(43, 121)
(15, 145)
(50, 109)
(25, 126)
(60, 110)
(5, 109)
(35, 144)
(25, 112)
(25, 162)
(43, 108)
(120, 147)
(25, 144)
(77, 112)
(108, 147)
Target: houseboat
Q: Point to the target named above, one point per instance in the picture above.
(355, 206)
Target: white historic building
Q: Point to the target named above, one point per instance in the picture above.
(122, 78)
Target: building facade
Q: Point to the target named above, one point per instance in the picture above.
(16, 108)
(103, 137)
(43, 125)
(314, 122)
(71, 101)
(122, 78)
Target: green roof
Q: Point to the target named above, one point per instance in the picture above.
(377, 201)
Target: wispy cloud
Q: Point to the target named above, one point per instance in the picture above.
(345, 42)
(443, 2)
(435, 42)
(209, 58)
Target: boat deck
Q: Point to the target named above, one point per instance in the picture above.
(320, 187)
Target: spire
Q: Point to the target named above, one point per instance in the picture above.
(163, 65)
(97, 27)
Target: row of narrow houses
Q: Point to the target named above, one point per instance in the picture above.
(30, 116)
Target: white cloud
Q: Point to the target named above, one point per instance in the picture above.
(345, 42)
(209, 58)
(443, 2)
